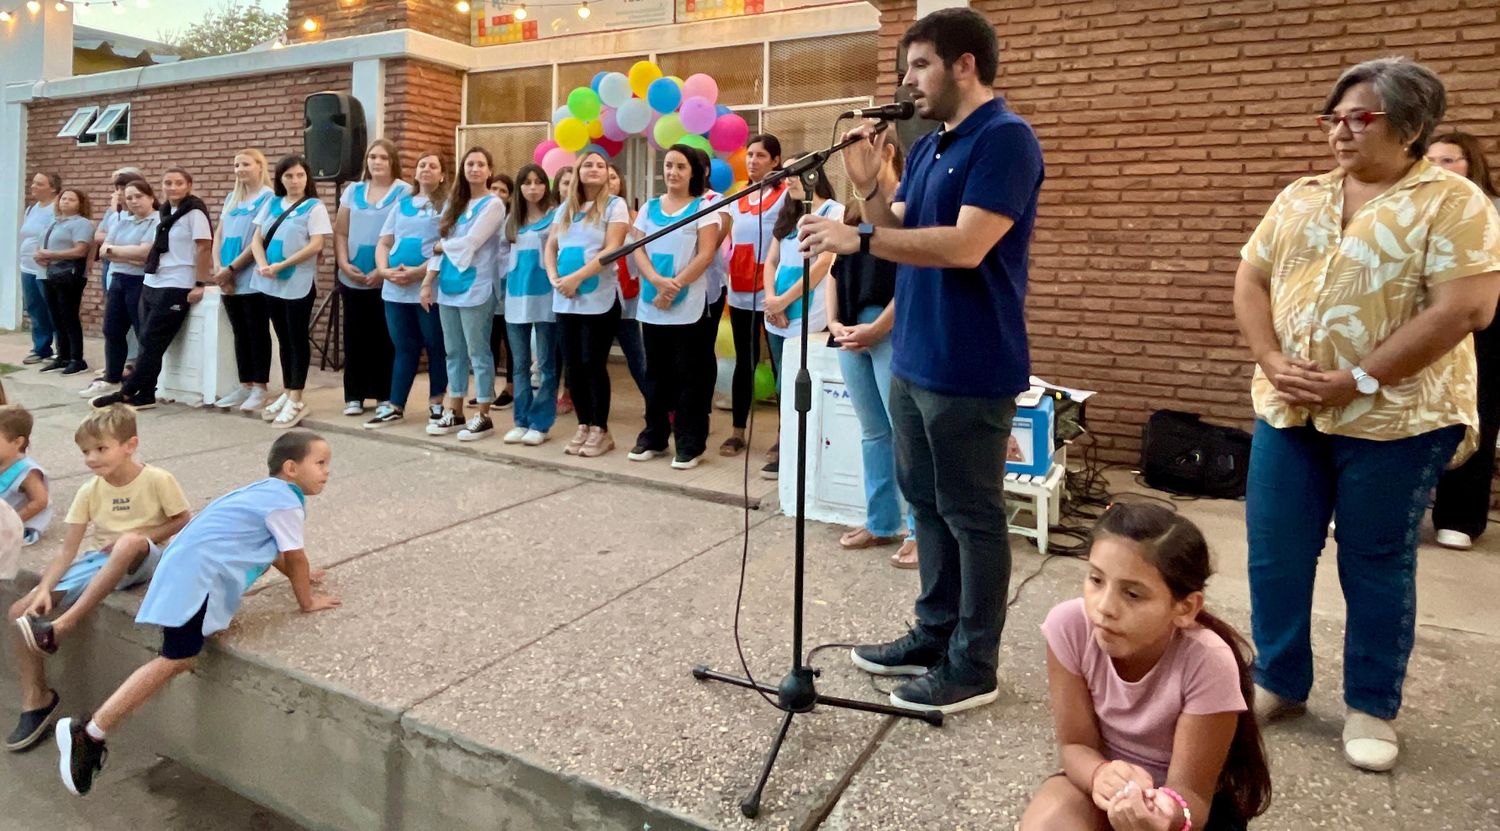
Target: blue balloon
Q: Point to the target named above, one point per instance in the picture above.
(593, 148)
(722, 111)
(720, 175)
(664, 95)
(599, 76)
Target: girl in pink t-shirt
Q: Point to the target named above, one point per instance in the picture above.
(1150, 693)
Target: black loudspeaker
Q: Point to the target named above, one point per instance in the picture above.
(333, 136)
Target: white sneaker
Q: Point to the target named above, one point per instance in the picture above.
(534, 438)
(354, 408)
(1370, 743)
(1271, 707)
(97, 388)
(290, 415)
(239, 396)
(270, 413)
(255, 401)
(516, 435)
(1457, 540)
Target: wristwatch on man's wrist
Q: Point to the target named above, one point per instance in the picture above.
(1366, 383)
(866, 231)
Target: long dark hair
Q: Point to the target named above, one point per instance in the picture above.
(287, 163)
(459, 197)
(1479, 166)
(144, 188)
(1176, 547)
(793, 209)
(697, 165)
(518, 205)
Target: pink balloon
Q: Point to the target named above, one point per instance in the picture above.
(728, 133)
(701, 86)
(612, 129)
(698, 114)
(542, 150)
(555, 160)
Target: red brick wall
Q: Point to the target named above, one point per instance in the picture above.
(196, 126)
(423, 106)
(1167, 129)
(342, 18)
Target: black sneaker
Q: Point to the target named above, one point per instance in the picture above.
(143, 402)
(914, 654)
(642, 453)
(108, 399)
(75, 367)
(504, 400)
(385, 415)
(447, 423)
(31, 727)
(683, 461)
(38, 635)
(480, 426)
(434, 412)
(33, 358)
(82, 757)
(54, 365)
(944, 689)
(772, 470)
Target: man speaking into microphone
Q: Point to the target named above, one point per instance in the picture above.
(958, 226)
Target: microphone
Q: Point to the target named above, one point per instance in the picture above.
(899, 111)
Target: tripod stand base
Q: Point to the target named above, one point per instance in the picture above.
(800, 682)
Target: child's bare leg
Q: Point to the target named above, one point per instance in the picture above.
(126, 555)
(1060, 806)
(33, 670)
(140, 687)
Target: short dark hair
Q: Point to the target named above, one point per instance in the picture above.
(956, 32)
(85, 208)
(1410, 94)
(698, 168)
(503, 178)
(768, 141)
(287, 163)
(54, 180)
(291, 446)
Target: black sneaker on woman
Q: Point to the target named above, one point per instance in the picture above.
(444, 425)
(31, 727)
(82, 757)
(385, 415)
(75, 367)
(53, 365)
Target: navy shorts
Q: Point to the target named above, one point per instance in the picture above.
(178, 643)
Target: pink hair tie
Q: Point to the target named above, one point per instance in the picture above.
(1187, 813)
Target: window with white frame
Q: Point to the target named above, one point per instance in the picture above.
(80, 120)
(112, 125)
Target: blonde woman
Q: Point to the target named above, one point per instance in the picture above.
(235, 272)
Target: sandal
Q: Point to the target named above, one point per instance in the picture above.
(906, 556)
(732, 446)
(857, 538)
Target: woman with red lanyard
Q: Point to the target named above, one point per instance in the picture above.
(753, 216)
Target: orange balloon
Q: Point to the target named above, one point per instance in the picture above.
(737, 164)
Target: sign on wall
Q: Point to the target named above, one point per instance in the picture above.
(494, 22)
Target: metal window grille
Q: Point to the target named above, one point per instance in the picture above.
(822, 69)
(510, 145)
(736, 69)
(510, 96)
(807, 127)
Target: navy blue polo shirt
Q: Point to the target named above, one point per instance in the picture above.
(962, 331)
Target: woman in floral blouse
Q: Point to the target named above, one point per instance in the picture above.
(1357, 294)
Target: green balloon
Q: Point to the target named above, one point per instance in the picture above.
(765, 382)
(583, 103)
(695, 140)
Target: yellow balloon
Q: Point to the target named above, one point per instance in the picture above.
(571, 135)
(596, 128)
(676, 80)
(641, 76)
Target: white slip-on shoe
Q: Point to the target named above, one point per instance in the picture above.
(1370, 743)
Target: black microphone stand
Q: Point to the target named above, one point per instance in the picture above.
(797, 692)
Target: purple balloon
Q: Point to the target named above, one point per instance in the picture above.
(697, 114)
(611, 126)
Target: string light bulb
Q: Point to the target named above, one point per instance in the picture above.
(309, 25)
(5, 16)
(33, 6)
(521, 12)
(583, 10)
(463, 6)
(60, 6)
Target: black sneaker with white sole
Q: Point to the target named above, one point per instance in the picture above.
(913, 654)
(385, 416)
(642, 453)
(772, 470)
(81, 757)
(448, 423)
(504, 400)
(434, 412)
(38, 634)
(478, 427)
(54, 365)
(31, 727)
(683, 461)
(946, 690)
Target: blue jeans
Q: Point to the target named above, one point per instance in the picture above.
(629, 338)
(534, 410)
(413, 330)
(1299, 478)
(466, 339)
(41, 319)
(867, 377)
(778, 345)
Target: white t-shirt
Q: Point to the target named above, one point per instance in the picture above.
(36, 222)
(176, 268)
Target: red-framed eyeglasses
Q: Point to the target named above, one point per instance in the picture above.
(1357, 121)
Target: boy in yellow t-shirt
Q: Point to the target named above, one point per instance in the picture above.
(134, 510)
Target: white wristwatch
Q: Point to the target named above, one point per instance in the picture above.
(1366, 383)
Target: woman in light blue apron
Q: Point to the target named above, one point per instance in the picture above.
(127, 244)
(461, 280)
(362, 213)
(289, 236)
(528, 307)
(785, 304)
(674, 300)
(586, 297)
(235, 275)
(406, 242)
